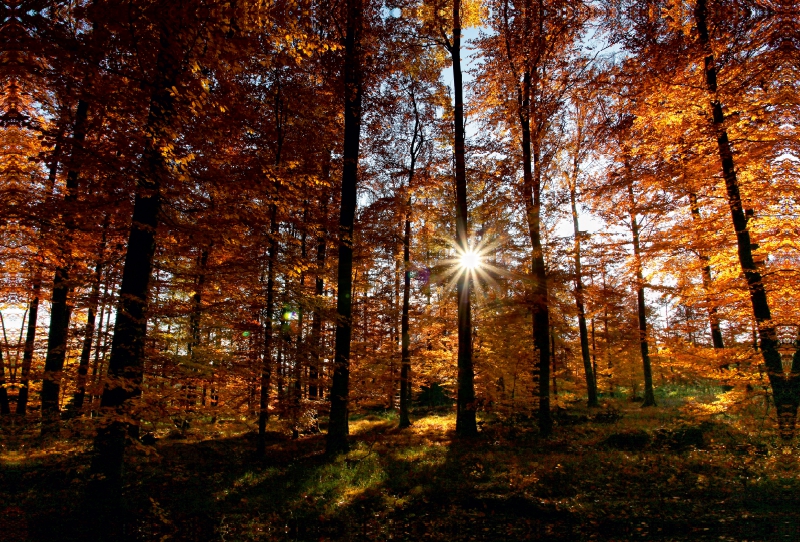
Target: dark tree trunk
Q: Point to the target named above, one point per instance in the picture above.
(649, 397)
(60, 309)
(126, 363)
(274, 227)
(417, 140)
(405, 357)
(30, 340)
(785, 390)
(539, 300)
(300, 354)
(338, 429)
(319, 288)
(5, 408)
(591, 382)
(466, 423)
(83, 367)
(269, 309)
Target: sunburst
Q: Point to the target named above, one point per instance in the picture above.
(474, 263)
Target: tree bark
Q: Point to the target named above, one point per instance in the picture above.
(649, 396)
(338, 428)
(274, 227)
(60, 309)
(405, 355)
(591, 382)
(5, 407)
(785, 389)
(531, 192)
(126, 363)
(466, 423)
(83, 367)
(314, 368)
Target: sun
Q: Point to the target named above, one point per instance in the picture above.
(470, 260)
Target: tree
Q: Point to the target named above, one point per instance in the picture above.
(353, 91)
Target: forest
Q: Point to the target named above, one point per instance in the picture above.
(399, 269)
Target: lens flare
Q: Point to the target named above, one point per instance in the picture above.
(470, 260)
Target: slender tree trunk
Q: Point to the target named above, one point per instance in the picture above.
(36, 289)
(60, 309)
(83, 367)
(101, 331)
(5, 408)
(300, 355)
(319, 288)
(554, 361)
(405, 358)
(591, 383)
(417, 140)
(649, 397)
(126, 363)
(338, 428)
(785, 390)
(713, 318)
(274, 227)
(466, 423)
(269, 309)
(30, 340)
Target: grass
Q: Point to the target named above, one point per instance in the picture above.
(422, 483)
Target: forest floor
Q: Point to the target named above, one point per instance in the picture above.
(617, 473)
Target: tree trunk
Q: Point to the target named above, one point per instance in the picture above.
(30, 340)
(5, 408)
(126, 363)
(269, 309)
(297, 387)
(405, 358)
(83, 367)
(274, 227)
(531, 190)
(319, 288)
(466, 423)
(785, 390)
(60, 309)
(338, 429)
(591, 382)
(649, 397)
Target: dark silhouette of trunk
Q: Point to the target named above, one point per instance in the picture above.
(405, 338)
(554, 361)
(531, 191)
(785, 389)
(5, 407)
(713, 318)
(36, 288)
(83, 366)
(338, 428)
(269, 309)
(417, 140)
(126, 363)
(100, 345)
(591, 382)
(314, 368)
(272, 255)
(60, 310)
(466, 423)
(649, 397)
(197, 301)
(297, 388)
(190, 398)
(30, 340)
